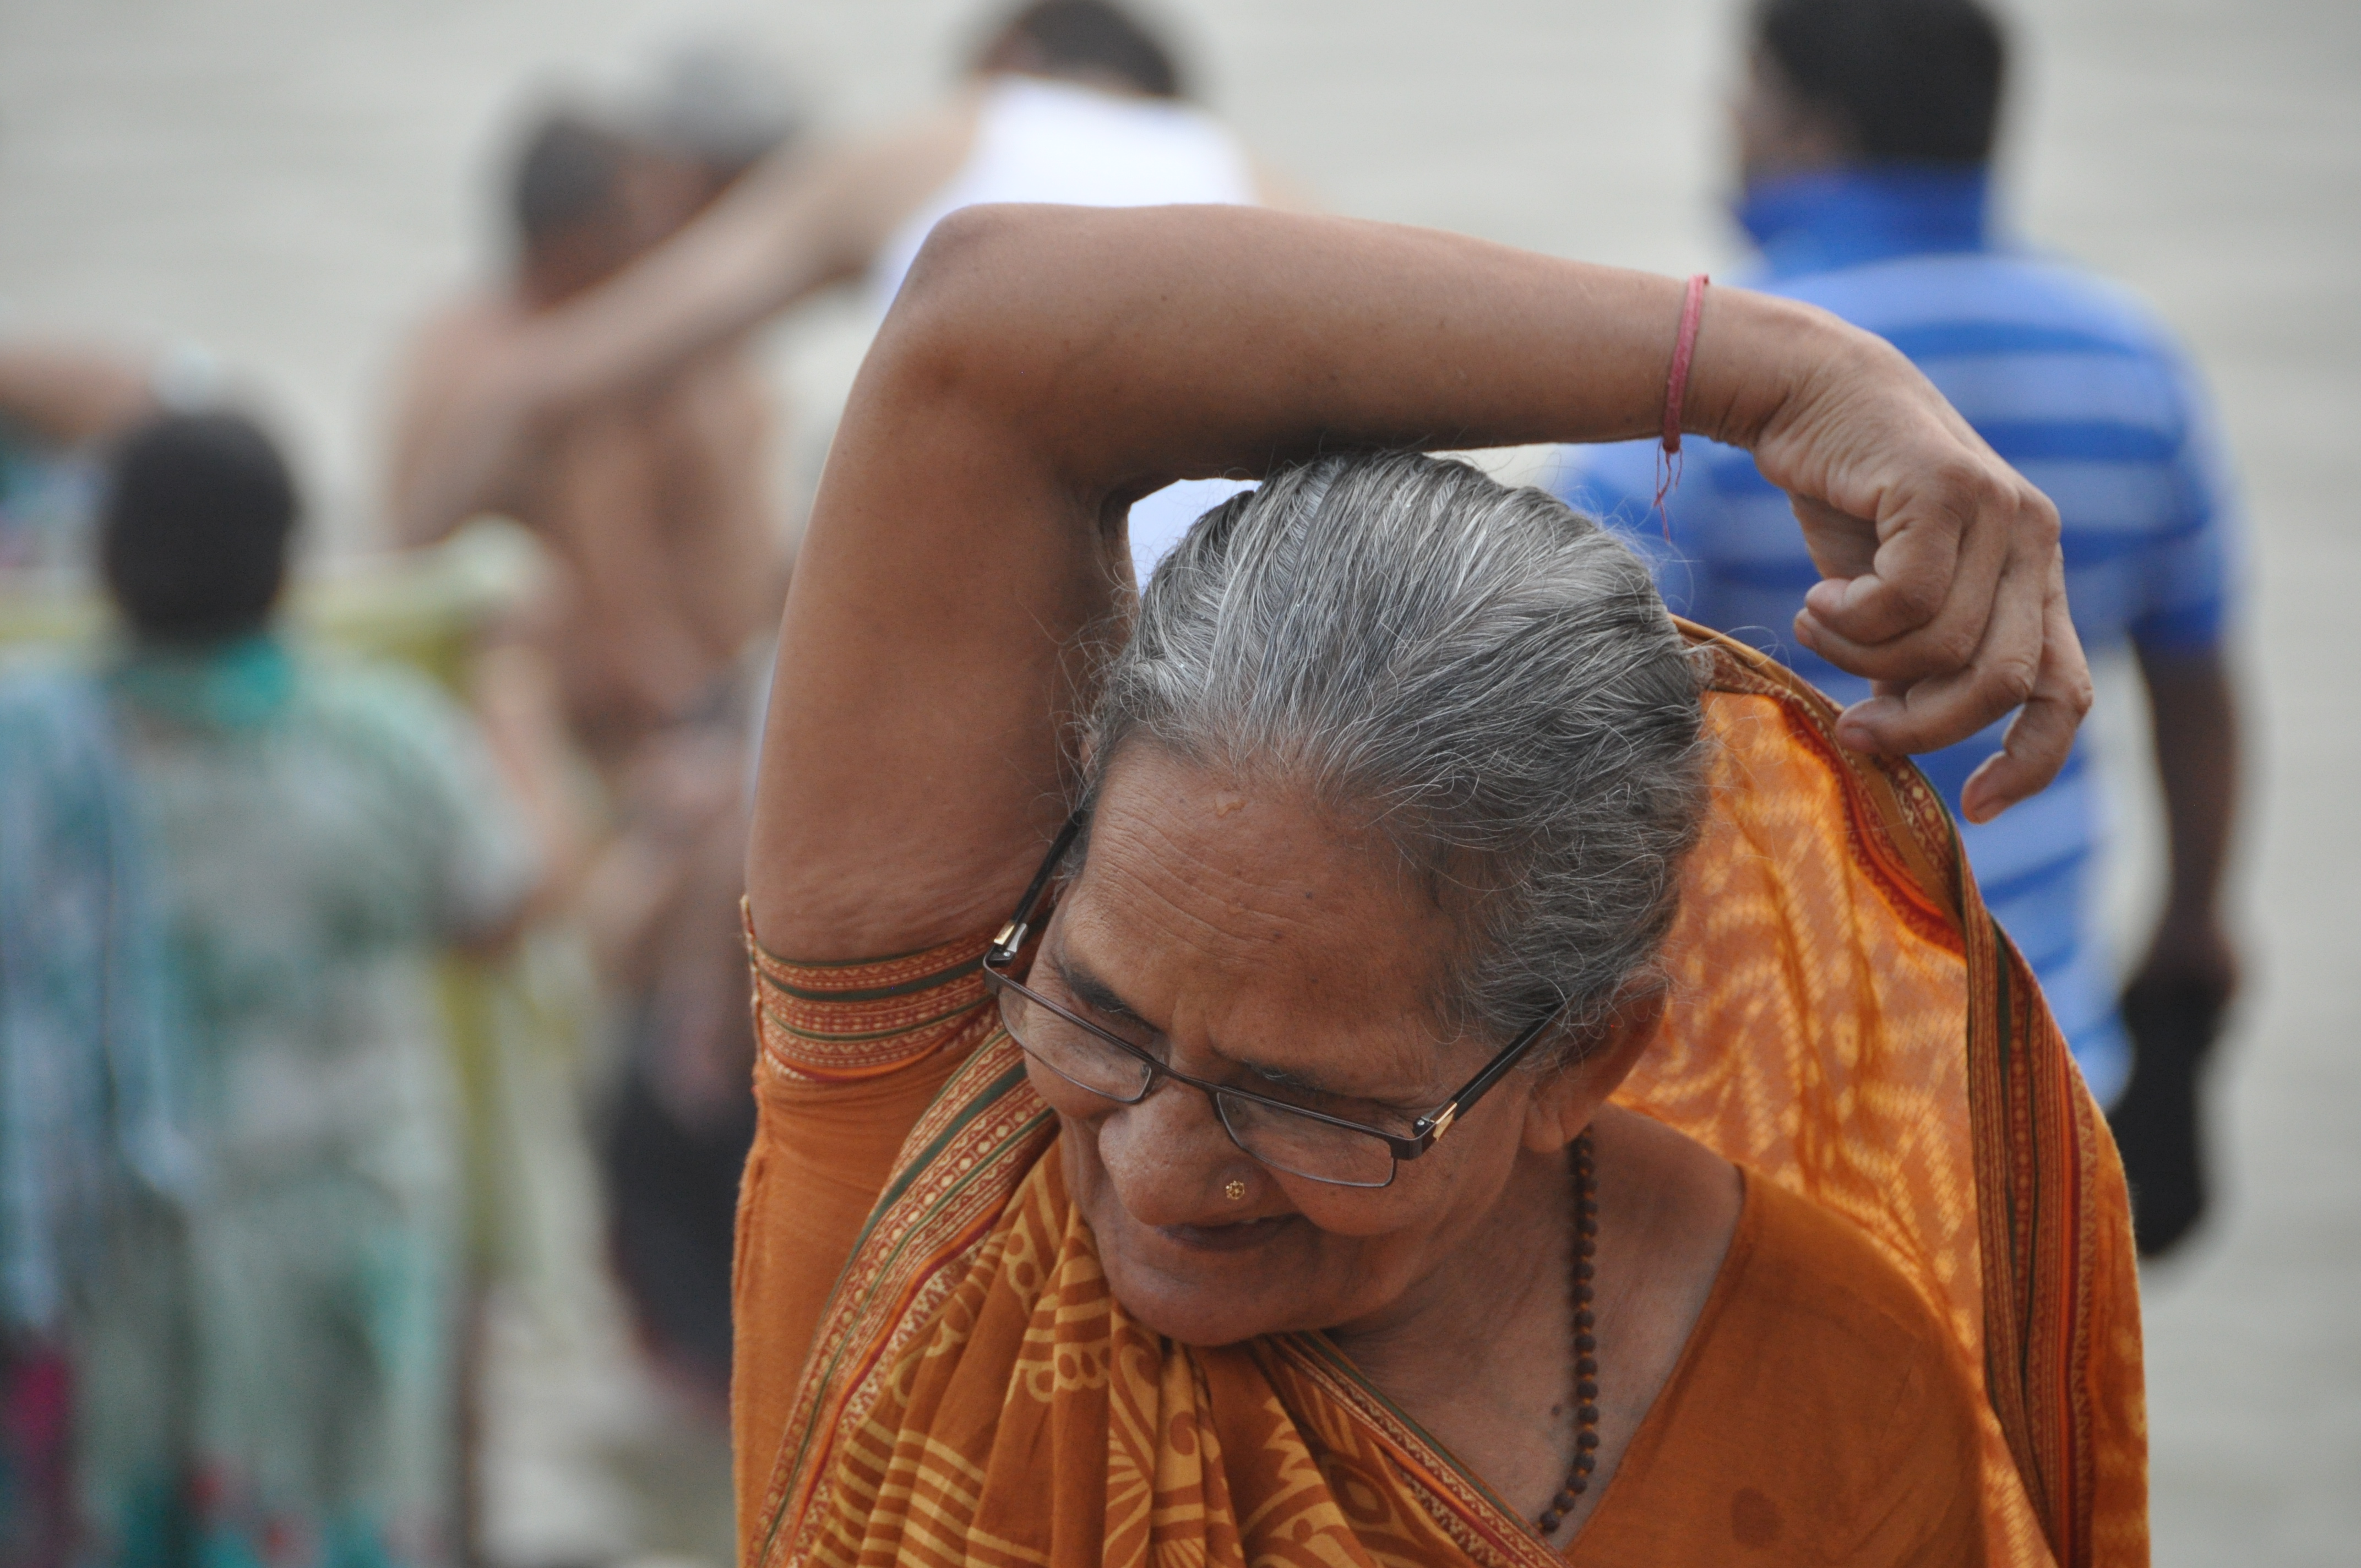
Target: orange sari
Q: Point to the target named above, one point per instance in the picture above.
(1847, 1025)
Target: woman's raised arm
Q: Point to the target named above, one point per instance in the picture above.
(1044, 366)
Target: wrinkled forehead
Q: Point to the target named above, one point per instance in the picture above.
(1220, 905)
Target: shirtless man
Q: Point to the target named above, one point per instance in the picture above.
(1068, 101)
(652, 497)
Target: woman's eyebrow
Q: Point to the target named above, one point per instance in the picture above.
(1287, 1077)
(1094, 993)
(1101, 998)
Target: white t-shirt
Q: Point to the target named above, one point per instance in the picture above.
(1038, 140)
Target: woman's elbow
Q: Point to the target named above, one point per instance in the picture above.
(964, 251)
(968, 305)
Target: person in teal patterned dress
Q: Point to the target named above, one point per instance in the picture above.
(315, 829)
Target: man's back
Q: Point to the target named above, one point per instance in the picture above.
(656, 509)
(2075, 384)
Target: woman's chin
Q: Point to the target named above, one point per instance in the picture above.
(1206, 1295)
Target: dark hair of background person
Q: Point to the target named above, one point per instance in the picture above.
(193, 540)
(1083, 37)
(723, 106)
(569, 173)
(1915, 81)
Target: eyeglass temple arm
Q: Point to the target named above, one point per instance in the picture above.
(1429, 1129)
(1012, 935)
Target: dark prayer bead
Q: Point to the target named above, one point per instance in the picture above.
(1586, 1388)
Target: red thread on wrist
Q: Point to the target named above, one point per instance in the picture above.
(1676, 387)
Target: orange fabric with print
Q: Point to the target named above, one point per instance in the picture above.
(1923, 1346)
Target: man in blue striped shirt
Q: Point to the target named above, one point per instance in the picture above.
(1864, 132)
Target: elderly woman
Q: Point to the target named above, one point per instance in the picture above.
(1240, 1080)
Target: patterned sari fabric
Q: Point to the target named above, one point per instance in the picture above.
(1848, 1024)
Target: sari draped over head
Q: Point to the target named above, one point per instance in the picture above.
(1846, 1023)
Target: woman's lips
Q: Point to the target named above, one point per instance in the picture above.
(1243, 1236)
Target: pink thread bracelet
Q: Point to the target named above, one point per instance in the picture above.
(1677, 385)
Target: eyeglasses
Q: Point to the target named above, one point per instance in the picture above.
(1293, 1138)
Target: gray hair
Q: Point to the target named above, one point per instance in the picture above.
(1482, 673)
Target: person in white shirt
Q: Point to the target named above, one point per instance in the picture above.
(1069, 101)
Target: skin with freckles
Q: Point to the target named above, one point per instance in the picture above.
(1251, 937)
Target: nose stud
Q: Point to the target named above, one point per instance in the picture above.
(1235, 1192)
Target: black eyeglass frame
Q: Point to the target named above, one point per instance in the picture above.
(1424, 1132)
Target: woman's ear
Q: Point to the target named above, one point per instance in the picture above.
(1565, 1102)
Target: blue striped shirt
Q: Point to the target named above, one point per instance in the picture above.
(2072, 381)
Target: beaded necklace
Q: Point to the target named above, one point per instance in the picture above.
(1585, 1345)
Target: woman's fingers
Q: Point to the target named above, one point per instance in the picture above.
(1943, 585)
(2042, 734)
(1998, 639)
(1842, 546)
(1961, 620)
(2050, 696)
(1924, 607)
(1937, 710)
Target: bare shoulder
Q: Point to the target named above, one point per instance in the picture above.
(445, 355)
(463, 330)
(448, 350)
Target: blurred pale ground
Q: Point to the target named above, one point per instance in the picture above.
(287, 183)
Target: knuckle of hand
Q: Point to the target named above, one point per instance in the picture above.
(1918, 600)
(2012, 679)
(1962, 475)
(1955, 647)
(2042, 515)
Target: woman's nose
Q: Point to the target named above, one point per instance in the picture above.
(1168, 1157)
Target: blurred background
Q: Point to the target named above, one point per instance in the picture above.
(269, 196)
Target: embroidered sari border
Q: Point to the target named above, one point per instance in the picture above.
(840, 975)
(1455, 1498)
(960, 1166)
(845, 1021)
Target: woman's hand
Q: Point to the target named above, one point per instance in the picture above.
(1944, 584)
